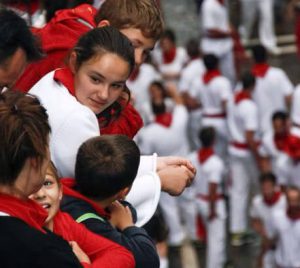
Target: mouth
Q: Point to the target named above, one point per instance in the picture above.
(45, 205)
(98, 103)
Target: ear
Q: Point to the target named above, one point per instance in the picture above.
(103, 23)
(72, 62)
(123, 193)
(60, 193)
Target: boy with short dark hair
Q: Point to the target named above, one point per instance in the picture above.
(105, 170)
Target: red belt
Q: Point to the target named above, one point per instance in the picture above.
(220, 115)
(239, 145)
(207, 198)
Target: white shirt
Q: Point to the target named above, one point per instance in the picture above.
(287, 232)
(260, 210)
(241, 117)
(212, 94)
(72, 124)
(215, 16)
(269, 95)
(156, 138)
(295, 111)
(140, 86)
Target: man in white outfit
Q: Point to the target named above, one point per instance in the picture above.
(243, 128)
(210, 201)
(217, 35)
(265, 10)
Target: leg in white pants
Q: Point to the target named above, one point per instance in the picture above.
(266, 24)
(249, 12)
(269, 259)
(227, 66)
(171, 215)
(243, 172)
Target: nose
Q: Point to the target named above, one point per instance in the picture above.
(39, 195)
(103, 93)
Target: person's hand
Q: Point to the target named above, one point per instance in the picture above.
(79, 253)
(174, 179)
(120, 216)
(167, 161)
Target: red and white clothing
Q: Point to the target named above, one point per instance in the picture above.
(139, 83)
(101, 251)
(167, 136)
(271, 88)
(170, 63)
(262, 210)
(72, 124)
(242, 117)
(195, 68)
(214, 16)
(286, 231)
(210, 169)
(211, 89)
(295, 111)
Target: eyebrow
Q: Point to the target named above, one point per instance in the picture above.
(102, 76)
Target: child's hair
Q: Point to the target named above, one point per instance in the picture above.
(259, 53)
(105, 165)
(248, 80)
(192, 48)
(14, 34)
(159, 108)
(210, 61)
(281, 115)
(24, 133)
(51, 170)
(267, 177)
(141, 14)
(170, 35)
(207, 136)
(106, 40)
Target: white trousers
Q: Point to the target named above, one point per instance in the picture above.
(264, 9)
(244, 173)
(216, 234)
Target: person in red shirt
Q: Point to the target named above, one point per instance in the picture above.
(91, 250)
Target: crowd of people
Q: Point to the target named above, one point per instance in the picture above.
(117, 144)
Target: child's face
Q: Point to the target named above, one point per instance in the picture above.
(49, 196)
(100, 81)
(142, 45)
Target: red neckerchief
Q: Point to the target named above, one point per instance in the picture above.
(281, 141)
(293, 215)
(68, 185)
(242, 95)
(260, 69)
(204, 154)
(292, 147)
(169, 56)
(32, 6)
(134, 74)
(65, 77)
(26, 210)
(164, 119)
(273, 200)
(210, 75)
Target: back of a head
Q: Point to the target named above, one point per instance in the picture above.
(24, 133)
(210, 62)
(170, 35)
(259, 53)
(248, 80)
(268, 177)
(104, 40)
(280, 115)
(207, 136)
(140, 14)
(192, 48)
(14, 34)
(105, 165)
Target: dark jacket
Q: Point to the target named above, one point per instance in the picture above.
(133, 238)
(23, 246)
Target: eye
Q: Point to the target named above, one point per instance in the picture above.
(95, 80)
(48, 183)
(117, 86)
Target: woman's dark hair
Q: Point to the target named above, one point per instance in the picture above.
(106, 40)
(159, 108)
(105, 165)
(14, 34)
(24, 133)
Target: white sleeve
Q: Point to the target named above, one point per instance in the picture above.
(282, 169)
(263, 149)
(184, 82)
(180, 118)
(254, 211)
(216, 172)
(286, 84)
(226, 91)
(195, 88)
(250, 115)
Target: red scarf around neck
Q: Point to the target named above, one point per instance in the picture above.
(26, 210)
(292, 214)
(273, 200)
(281, 141)
(242, 95)
(65, 77)
(134, 74)
(210, 75)
(204, 154)
(164, 119)
(260, 69)
(169, 56)
(292, 147)
(68, 185)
